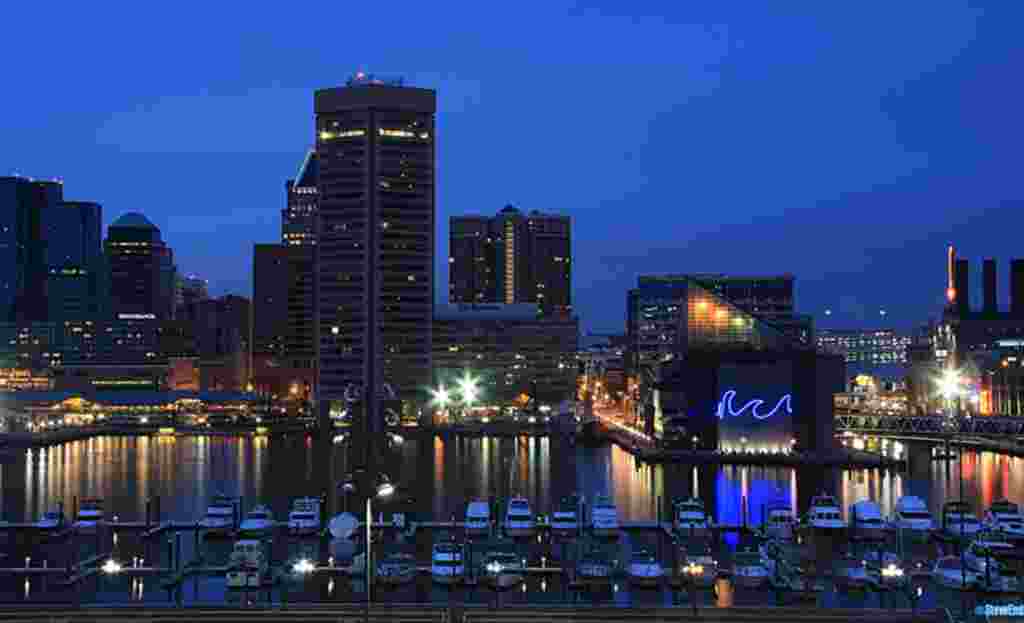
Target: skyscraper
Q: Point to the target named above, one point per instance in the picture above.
(373, 289)
(298, 218)
(511, 258)
(76, 280)
(23, 248)
(142, 274)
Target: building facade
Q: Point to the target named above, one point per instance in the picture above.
(24, 205)
(865, 347)
(374, 276)
(513, 351)
(142, 273)
(512, 258)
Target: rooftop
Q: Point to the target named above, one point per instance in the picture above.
(133, 219)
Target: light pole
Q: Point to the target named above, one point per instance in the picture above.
(468, 389)
(382, 489)
(441, 397)
(950, 387)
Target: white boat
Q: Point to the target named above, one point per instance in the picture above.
(823, 515)
(691, 518)
(950, 572)
(220, 515)
(478, 517)
(51, 520)
(645, 569)
(305, 516)
(982, 554)
(866, 521)
(396, 569)
(780, 523)
(700, 568)
(1006, 517)
(851, 573)
(959, 521)
(502, 569)
(446, 564)
(749, 570)
(604, 517)
(566, 518)
(90, 515)
(258, 521)
(246, 564)
(519, 520)
(912, 515)
(594, 568)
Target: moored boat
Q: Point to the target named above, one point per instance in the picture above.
(823, 516)
(90, 515)
(446, 564)
(645, 569)
(594, 568)
(690, 518)
(565, 520)
(866, 521)
(911, 515)
(959, 521)
(305, 516)
(478, 518)
(258, 522)
(1006, 517)
(604, 518)
(780, 522)
(519, 519)
(851, 573)
(51, 520)
(220, 515)
(246, 564)
(502, 569)
(951, 572)
(749, 569)
(397, 569)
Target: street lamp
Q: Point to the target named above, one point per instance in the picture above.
(382, 489)
(469, 389)
(950, 388)
(441, 397)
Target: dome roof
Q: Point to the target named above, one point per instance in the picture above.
(133, 219)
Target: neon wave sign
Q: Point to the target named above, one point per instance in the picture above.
(726, 407)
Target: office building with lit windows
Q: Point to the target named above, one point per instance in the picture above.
(142, 272)
(865, 348)
(24, 205)
(516, 354)
(298, 218)
(512, 258)
(374, 273)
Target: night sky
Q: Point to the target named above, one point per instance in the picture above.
(846, 143)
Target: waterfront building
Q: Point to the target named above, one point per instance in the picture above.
(374, 272)
(512, 258)
(516, 353)
(668, 314)
(865, 347)
(142, 272)
(24, 203)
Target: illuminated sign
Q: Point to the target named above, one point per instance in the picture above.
(136, 316)
(726, 409)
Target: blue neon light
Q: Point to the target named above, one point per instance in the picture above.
(725, 406)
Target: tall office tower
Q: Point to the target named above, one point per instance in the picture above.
(512, 258)
(142, 273)
(190, 291)
(76, 280)
(374, 278)
(23, 270)
(990, 304)
(298, 218)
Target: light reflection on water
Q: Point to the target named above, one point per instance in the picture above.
(443, 473)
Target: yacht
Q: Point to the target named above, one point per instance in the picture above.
(823, 515)
(851, 573)
(749, 570)
(519, 520)
(982, 554)
(258, 521)
(690, 518)
(911, 514)
(604, 517)
(958, 520)
(246, 564)
(51, 520)
(950, 572)
(594, 568)
(220, 515)
(503, 569)
(645, 569)
(397, 569)
(780, 522)
(566, 518)
(702, 568)
(866, 521)
(478, 517)
(1006, 517)
(446, 564)
(90, 515)
(305, 516)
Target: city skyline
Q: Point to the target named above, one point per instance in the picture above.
(877, 233)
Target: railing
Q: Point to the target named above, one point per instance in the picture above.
(927, 425)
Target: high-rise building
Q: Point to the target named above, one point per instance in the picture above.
(298, 218)
(23, 248)
(190, 291)
(512, 258)
(142, 274)
(76, 280)
(374, 255)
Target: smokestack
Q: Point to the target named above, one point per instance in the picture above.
(990, 304)
(961, 284)
(1017, 287)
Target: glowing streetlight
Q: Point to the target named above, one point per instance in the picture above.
(469, 389)
(441, 396)
(949, 384)
(303, 567)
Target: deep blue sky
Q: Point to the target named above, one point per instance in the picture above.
(846, 143)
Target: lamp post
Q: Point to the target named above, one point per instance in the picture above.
(950, 388)
(382, 489)
(441, 397)
(468, 389)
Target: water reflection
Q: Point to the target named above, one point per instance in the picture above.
(444, 473)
